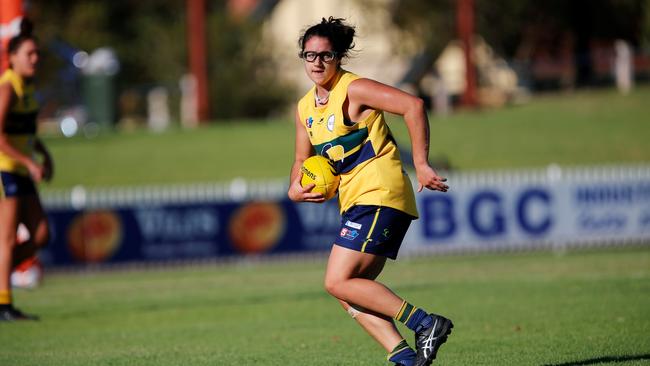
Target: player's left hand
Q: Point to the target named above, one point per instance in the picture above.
(427, 177)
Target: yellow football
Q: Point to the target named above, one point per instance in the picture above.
(317, 170)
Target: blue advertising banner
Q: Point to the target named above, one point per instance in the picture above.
(188, 231)
(529, 213)
(481, 211)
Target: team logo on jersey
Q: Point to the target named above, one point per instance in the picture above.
(309, 121)
(349, 234)
(330, 122)
(334, 153)
(323, 151)
(354, 225)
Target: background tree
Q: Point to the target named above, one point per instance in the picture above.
(508, 24)
(149, 38)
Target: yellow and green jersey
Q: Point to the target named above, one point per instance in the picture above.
(20, 122)
(363, 152)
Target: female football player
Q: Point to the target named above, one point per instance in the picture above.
(19, 170)
(342, 118)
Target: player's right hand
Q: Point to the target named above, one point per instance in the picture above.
(298, 193)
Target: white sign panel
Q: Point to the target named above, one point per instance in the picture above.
(582, 207)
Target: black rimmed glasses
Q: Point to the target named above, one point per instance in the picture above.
(325, 56)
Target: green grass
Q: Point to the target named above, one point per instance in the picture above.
(220, 152)
(581, 128)
(585, 128)
(509, 309)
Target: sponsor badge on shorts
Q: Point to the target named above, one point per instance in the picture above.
(353, 225)
(349, 234)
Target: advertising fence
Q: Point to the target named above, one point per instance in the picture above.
(482, 211)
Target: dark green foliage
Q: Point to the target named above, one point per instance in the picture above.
(243, 75)
(150, 40)
(504, 23)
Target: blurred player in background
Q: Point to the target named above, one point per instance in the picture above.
(19, 169)
(341, 118)
(27, 274)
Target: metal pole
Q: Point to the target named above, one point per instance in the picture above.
(197, 54)
(465, 24)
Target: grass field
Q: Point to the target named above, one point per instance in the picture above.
(580, 308)
(580, 128)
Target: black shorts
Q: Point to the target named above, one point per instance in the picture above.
(13, 185)
(371, 229)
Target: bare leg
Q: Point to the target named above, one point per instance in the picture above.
(351, 268)
(8, 227)
(379, 327)
(344, 281)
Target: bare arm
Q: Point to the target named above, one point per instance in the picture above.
(366, 93)
(36, 170)
(303, 150)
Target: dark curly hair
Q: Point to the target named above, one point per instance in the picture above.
(340, 35)
(26, 33)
